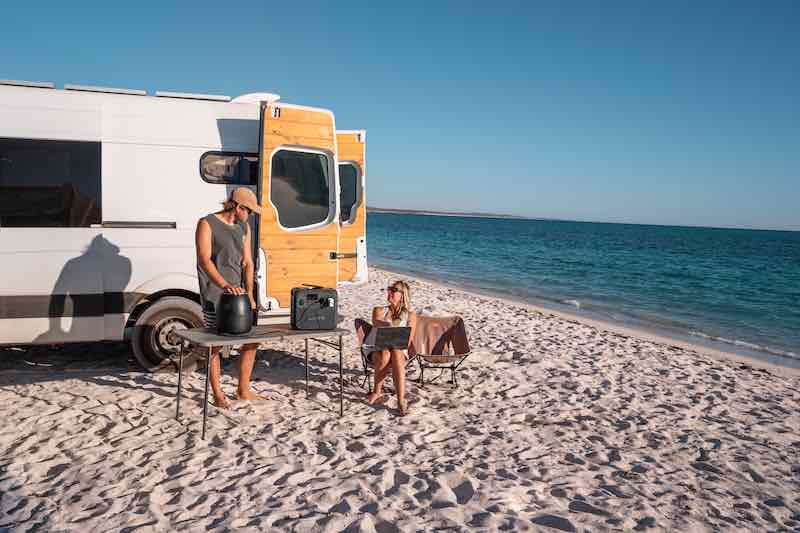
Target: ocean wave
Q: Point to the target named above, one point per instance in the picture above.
(743, 344)
(573, 303)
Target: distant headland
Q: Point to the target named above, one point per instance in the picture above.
(442, 213)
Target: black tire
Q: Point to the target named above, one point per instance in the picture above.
(151, 341)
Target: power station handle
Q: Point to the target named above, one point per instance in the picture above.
(334, 255)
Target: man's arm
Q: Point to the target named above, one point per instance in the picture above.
(248, 266)
(202, 238)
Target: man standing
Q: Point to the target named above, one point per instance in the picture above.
(225, 264)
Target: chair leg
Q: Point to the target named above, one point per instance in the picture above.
(367, 382)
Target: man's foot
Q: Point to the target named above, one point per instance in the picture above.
(250, 396)
(221, 403)
(373, 397)
(402, 407)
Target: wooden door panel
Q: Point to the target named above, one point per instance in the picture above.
(352, 148)
(295, 258)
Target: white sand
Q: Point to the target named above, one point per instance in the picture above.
(556, 423)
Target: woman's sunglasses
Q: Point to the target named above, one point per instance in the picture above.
(392, 289)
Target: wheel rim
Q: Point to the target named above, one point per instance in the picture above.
(164, 343)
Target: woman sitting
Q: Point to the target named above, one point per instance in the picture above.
(397, 314)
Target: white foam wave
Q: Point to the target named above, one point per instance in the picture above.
(743, 344)
(574, 303)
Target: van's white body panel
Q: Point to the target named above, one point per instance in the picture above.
(150, 154)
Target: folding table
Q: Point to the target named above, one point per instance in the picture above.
(209, 339)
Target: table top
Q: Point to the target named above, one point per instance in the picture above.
(209, 337)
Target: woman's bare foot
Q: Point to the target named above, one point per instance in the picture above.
(372, 397)
(402, 407)
(221, 403)
(250, 396)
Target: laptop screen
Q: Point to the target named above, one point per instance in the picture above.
(392, 338)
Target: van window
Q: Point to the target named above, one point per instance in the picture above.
(348, 180)
(49, 183)
(300, 188)
(235, 168)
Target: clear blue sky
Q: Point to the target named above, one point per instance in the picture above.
(649, 112)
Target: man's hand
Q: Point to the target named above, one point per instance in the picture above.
(230, 289)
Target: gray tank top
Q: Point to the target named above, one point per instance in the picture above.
(227, 251)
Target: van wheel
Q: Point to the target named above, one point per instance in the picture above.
(154, 343)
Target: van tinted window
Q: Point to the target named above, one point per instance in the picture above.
(49, 183)
(229, 167)
(348, 180)
(300, 188)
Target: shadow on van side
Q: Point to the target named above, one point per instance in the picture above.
(104, 269)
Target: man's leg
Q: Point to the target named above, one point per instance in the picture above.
(380, 361)
(247, 359)
(214, 376)
(399, 376)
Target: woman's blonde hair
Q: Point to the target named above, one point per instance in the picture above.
(405, 306)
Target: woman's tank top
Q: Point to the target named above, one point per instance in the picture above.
(397, 322)
(387, 317)
(227, 252)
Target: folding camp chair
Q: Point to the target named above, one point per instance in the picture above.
(439, 342)
(362, 330)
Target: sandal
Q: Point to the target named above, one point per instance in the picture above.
(402, 408)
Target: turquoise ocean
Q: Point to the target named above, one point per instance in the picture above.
(732, 289)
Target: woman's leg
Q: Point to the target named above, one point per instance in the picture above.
(247, 358)
(399, 375)
(380, 360)
(214, 375)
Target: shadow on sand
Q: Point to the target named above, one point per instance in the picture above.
(112, 364)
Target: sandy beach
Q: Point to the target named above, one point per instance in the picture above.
(559, 425)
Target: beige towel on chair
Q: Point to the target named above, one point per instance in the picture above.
(440, 339)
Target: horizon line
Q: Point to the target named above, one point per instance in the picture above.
(477, 214)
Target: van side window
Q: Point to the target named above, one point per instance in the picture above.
(348, 179)
(300, 188)
(235, 168)
(49, 183)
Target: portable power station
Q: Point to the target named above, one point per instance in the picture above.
(314, 308)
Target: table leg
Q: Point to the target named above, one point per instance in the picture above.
(306, 367)
(180, 374)
(341, 381)
(205, 394)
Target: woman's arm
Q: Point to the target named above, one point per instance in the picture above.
(377, 318)
(412, 322)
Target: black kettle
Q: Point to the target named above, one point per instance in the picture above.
(234, 315)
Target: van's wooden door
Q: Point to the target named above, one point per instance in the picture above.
(298, 232)
(352, 206)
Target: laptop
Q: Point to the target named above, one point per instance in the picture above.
(388, 338)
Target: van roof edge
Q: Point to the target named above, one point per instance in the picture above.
(22, 83)
(113, 90)
(192, 96)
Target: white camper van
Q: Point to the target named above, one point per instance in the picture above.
(101, 189)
